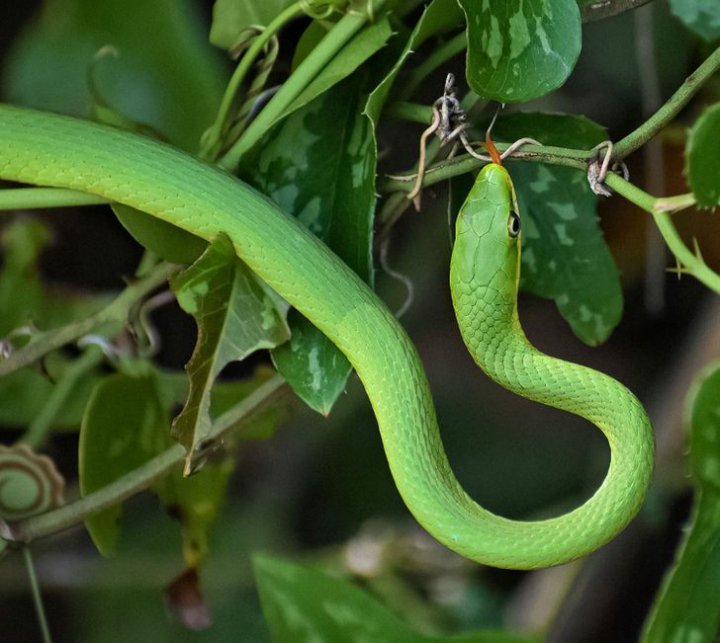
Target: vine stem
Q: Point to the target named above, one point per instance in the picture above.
(144, 476)
(691, 262)
(37, 596)
(217, 129)
(71, 375)
(117, 312)
(32, 198)
(341, 34)
(670, 109)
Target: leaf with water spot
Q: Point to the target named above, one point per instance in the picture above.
(564, 255)
(302, 604)
(235, 315)
(319, 166)
(687, 606)
(519, 50)
(702, 158)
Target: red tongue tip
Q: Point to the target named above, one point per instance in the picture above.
(492, 150)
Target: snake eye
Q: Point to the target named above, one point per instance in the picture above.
(514, 225)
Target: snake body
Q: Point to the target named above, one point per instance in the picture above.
(50, 150)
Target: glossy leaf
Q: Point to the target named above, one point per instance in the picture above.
(519, 50)
(235, 316)
(564, 255)
(302, 604)
(687, 607)
(231, 17)
(124, 427)
(164, 62)
(319, 166)
(703, 160)
(700, 16)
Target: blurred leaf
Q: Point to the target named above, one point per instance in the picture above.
(302, 604)
(231, 17)
(564, 255)
(165, 76)
(319, 166)
(235, 316)
(164, 239)
(124, 427)
(687, 607)
(195, 501)
(24, 392)
(519, 50)
(700, 16)
(703, 160)
(24, 299)
(366, 43)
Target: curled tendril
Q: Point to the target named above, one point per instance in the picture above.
(29, 483)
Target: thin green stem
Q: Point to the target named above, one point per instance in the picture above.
(691, 262)
(437, 58)
(670, 109)
(73, 373)
(144, 476)
(116, 312)
(465, 163)
(33, 198)
(341, 34)
(37, 596)
(218, 128)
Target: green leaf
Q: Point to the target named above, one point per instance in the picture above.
(564, 255)
(700, 16)
(703, 161)
(687, 607)
(167, 241)
(164, 62)
(230, 17)
(196, 501)
(302, 604)
(319, 166)
(25, 392)
(519, 50)
(235, 315)
(368, 42)
(124, 427)
(436, 18)
(24, 299)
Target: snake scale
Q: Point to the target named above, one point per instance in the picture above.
(50, 150)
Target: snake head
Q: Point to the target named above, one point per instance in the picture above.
(488, 232)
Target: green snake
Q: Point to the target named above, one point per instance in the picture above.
(50, 150)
